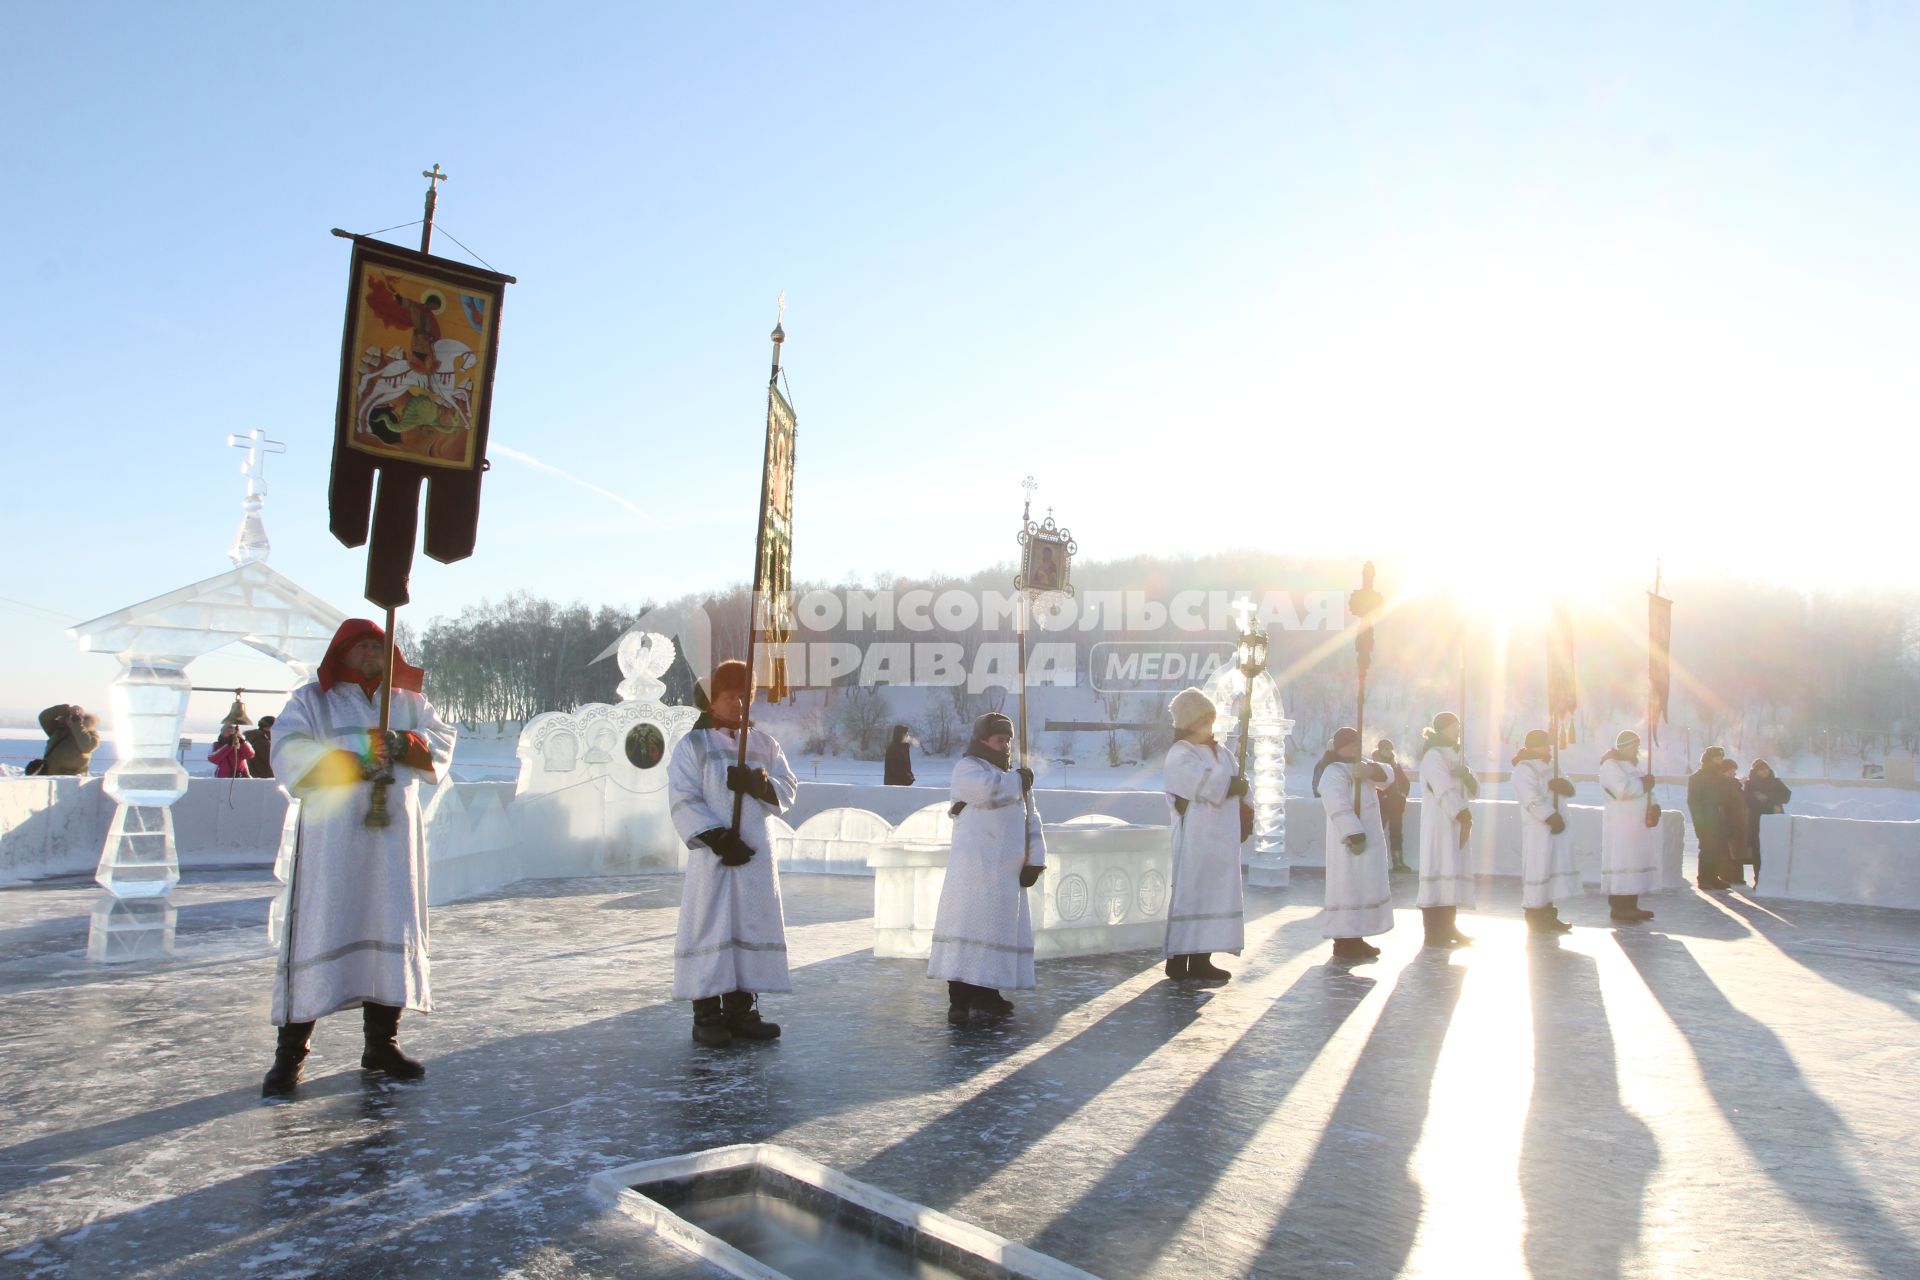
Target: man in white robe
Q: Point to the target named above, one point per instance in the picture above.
(1359, 899)
(731, 944)
(356, 915)
(983, 932)
(1204, 908)
(1447, 789)
(1629, 848)
(1547, 870)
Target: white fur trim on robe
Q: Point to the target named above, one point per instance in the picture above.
(1629, 849)
(1359, 900)
(732, 935)
(1547, 871)
(1446, 869)
(983, 932)
(356, 915)
(1204, 910)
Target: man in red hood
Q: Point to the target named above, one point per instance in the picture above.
(355, 929)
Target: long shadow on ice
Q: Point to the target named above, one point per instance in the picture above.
(1124, 1223)
(1585, 1160)
(1804, 1149)
(1357, 1206)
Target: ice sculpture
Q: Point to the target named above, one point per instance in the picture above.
(592, 792)
(1266, 854)
(125, 930)
(155, 640)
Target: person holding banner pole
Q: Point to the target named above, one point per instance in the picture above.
(1359, 901)
(1629, 862)
(983, 932)
(1547, 870)
(1447, 788)
(1205, 909)
(731, 942)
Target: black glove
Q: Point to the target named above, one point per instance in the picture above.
(1026, 779)
(1373, 772)
(1030, 876)
(1357, 842)
(730, 848)
(1236, 786)
(1556, 824)
(1560, 786)
(1647, 780)
(751, 782)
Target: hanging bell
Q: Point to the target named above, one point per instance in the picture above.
(237, 714)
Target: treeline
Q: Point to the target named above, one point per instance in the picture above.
(1765, 667)
(521, 656)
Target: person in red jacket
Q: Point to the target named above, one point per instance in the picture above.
(230, 753)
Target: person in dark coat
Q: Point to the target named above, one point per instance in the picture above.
(1393, 803)
(1709, 822)
(260, 738)
(899, 759)
(1765, 794)
(1736, 822)
(71, 739)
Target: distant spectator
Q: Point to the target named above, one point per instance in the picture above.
(1765, 794)
(1738, 824)
(230, 753)
(1709, 822)
(1393, 803)
(71, 740)
(899, 759)
(261, 740)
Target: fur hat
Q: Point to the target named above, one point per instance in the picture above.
(1343, 737)
(991, 724)
(1189, 707)
(1537, 740)
(1624, 739)
(729, 677)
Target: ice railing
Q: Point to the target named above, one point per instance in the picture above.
(839, 841)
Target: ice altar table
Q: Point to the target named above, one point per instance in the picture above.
(1105, 890)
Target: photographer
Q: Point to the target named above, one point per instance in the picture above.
(71, 740)
(230, 753)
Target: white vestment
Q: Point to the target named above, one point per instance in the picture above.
(1547, 870)
(1446, 868)
(1629, 848)
(1359, 885)
(983, 933)
(732, 936)
(356, 919)
(1204, 912)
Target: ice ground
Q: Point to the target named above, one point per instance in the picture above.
(1734, 1093)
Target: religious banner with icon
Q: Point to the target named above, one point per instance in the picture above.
(416, 381)
(1046, 559)
(1562, 685)
(773, 576)
(1659, 662)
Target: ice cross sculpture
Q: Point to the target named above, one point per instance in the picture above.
(250, 543)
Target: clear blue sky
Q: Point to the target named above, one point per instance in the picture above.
(1641, 275)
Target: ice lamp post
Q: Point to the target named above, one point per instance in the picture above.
(1250, 692)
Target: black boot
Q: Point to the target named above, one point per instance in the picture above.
(382, 1052)
(1203, 968)
(1353, 949)
(1434, 919)
(1551, 914)
(1621, 908)
(958, 1003)
(1536, 920)
(289, 1051)
(1454, 935)
(991, 1002)
(1633, 905)
(710, 1023)
(743, 1021)
(1177, 968)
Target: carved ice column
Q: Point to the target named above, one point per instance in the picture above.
(1265, 855)
(149, 700)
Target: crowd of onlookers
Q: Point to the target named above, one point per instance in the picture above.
(73, 735)
(1726, 812)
